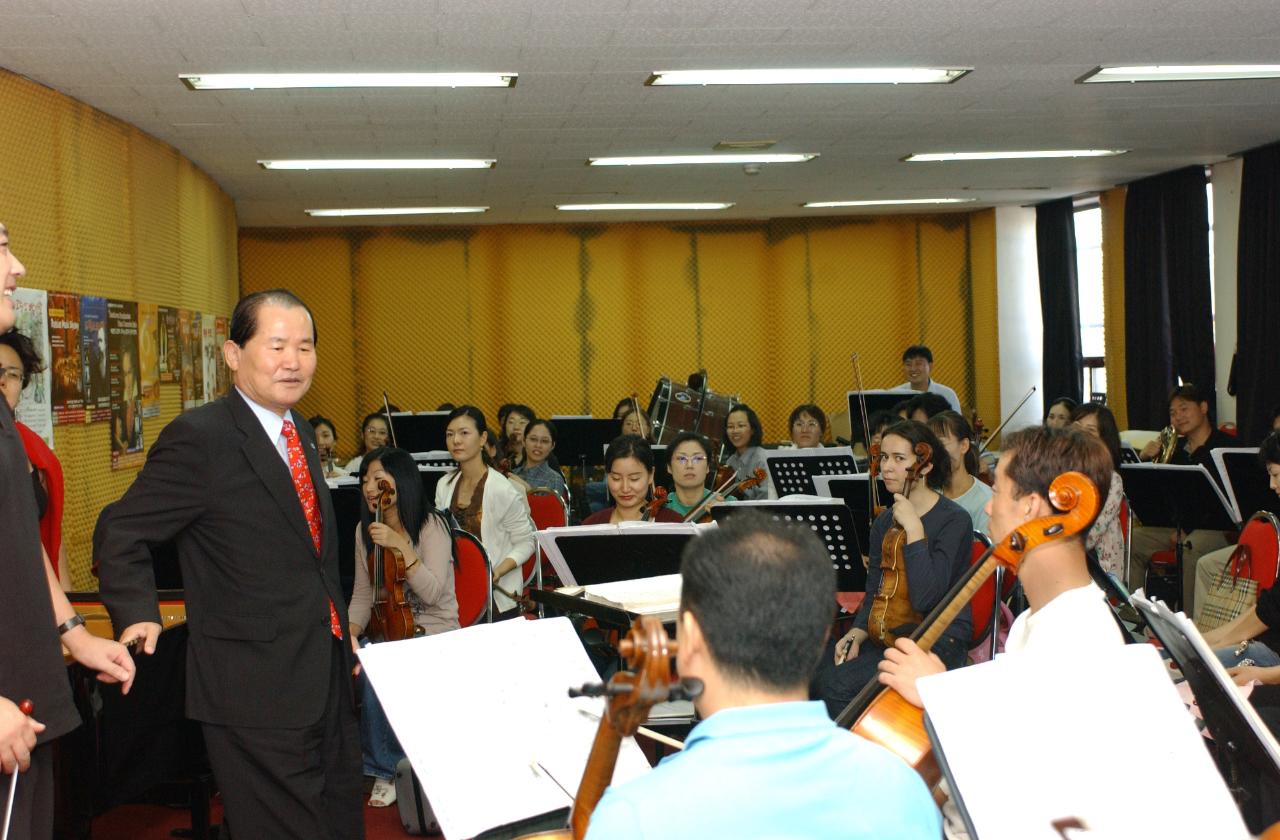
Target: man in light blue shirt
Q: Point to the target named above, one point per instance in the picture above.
(917, 364)
(765, 761)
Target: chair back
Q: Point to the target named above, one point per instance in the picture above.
(1126, 531)
(472, 579)
(547, 510)
(984, 604)
(1262, 535)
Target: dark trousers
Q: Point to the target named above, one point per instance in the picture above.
(33, 798)
(294, 783)
(836, 685)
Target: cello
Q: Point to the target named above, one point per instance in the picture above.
(391, 618)
(882, 715)
(648, 652)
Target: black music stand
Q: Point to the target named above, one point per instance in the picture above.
(855, 492)
(581, 441)
(1248, 489)
(1179, 496)
(1239, 734)
(604, 555)
(883, 399)
(422, 432)
(830, 519)
(792, 470)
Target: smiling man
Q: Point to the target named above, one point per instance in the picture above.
(238, 484)
(917, 366)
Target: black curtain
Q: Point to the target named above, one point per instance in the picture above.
(1258, 294)
(1059, 298)
(1168, 320)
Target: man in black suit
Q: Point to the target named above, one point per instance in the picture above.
(238, 485)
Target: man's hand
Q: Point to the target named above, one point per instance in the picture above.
(1244, 674)
(1150, 451)
(903, 664)
(146, 631)
(17, 737)
(353, 632)
(109, 658)
(847, 647)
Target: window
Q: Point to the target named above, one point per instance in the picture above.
(1088, 221)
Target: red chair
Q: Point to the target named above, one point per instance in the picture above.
(985, 604)
(472, 579)
(548, 510)
(1262, 534)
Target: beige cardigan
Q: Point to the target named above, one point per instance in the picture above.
(431, 579)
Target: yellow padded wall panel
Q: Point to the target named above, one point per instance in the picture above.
(1112, 202)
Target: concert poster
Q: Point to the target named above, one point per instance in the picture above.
(149, 358)
(220, 338)
(93, 349)
(170, 352)
(209, 355)
(65, 359)
(187, 366)
(35, 407)
(125, 385)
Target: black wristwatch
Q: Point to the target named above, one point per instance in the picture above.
(70, 624)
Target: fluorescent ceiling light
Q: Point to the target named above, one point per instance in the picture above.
(675, 205)
(1181, 73)
(394, 211)
(1040, 153)
(267, 81)
(812, 76)
(887, 201)
(382, 163)
(671, 160)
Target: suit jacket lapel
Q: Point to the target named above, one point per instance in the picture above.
(271, 469)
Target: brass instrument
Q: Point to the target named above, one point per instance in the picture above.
(1168, 444)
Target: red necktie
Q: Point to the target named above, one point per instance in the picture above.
(310, 505)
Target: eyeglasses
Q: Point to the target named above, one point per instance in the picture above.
(690, 460)
(11, 374)
(807, 424)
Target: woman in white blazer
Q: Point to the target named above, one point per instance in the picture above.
(498, 513)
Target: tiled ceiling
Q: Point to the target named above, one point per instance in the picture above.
(582, 64)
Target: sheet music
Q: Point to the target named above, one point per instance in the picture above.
(1062, 716)
(478, 709)
(658, 596)
(548, 538)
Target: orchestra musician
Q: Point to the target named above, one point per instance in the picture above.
(938, 550)
(628, 464)
(1058, 416)
(744, 433)
(923, 406)
(518, 417)
(764, 761)
(237, 484)
(917, 365)
(418, 533)
(375, 433)
(34, 616)
(964, 488)
(535, 469)
(486, 504)
(808, 425)
(689, 461)
(326, 441)
(634, 421)
(1105, 539)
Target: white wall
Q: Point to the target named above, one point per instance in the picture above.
(1021, 331)
(1226, 225)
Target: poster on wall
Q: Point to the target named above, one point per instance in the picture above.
(125, 385)
(196, 350)
(65, 359)
(149, 358)
(35, 407)
(93, 348)
(170, 353)
(220, 337)
(209, 356)
(185, 368)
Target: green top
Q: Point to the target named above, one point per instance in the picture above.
(673, 502)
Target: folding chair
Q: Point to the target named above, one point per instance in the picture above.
(472, 579)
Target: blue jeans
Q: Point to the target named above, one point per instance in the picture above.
(381, 748)
(1257, 652)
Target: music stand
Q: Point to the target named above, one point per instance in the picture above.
(830, 519)
(1240, 734)
(1246, 482)
(855, 492)
(792, 470)
(435, 458)
(421, 432)
(883, 399)
(589, 554)
(581, 441)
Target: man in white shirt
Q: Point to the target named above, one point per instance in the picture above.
(917, 364)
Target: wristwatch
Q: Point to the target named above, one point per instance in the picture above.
(70, 624)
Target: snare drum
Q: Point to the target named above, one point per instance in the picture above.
(674, 409)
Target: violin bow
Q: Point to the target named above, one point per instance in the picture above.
(983, 446)
(386, 407)
(866, 431)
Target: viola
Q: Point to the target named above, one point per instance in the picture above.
(891, 605)
(392, 617)
(648, 652)
(884, 716)
(756, 478)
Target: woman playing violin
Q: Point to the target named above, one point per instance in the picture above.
(937, 551)
(420, 535)
(689, 460)
(743, 431)
(628, 464)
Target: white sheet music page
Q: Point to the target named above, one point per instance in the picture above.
(478, 710)
(1073, 758)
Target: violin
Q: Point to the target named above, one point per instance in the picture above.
(392, 617)
(756, 478)
(657, 503)
(891, 606)
(880, 714)
(701, 512)
(648, 652)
